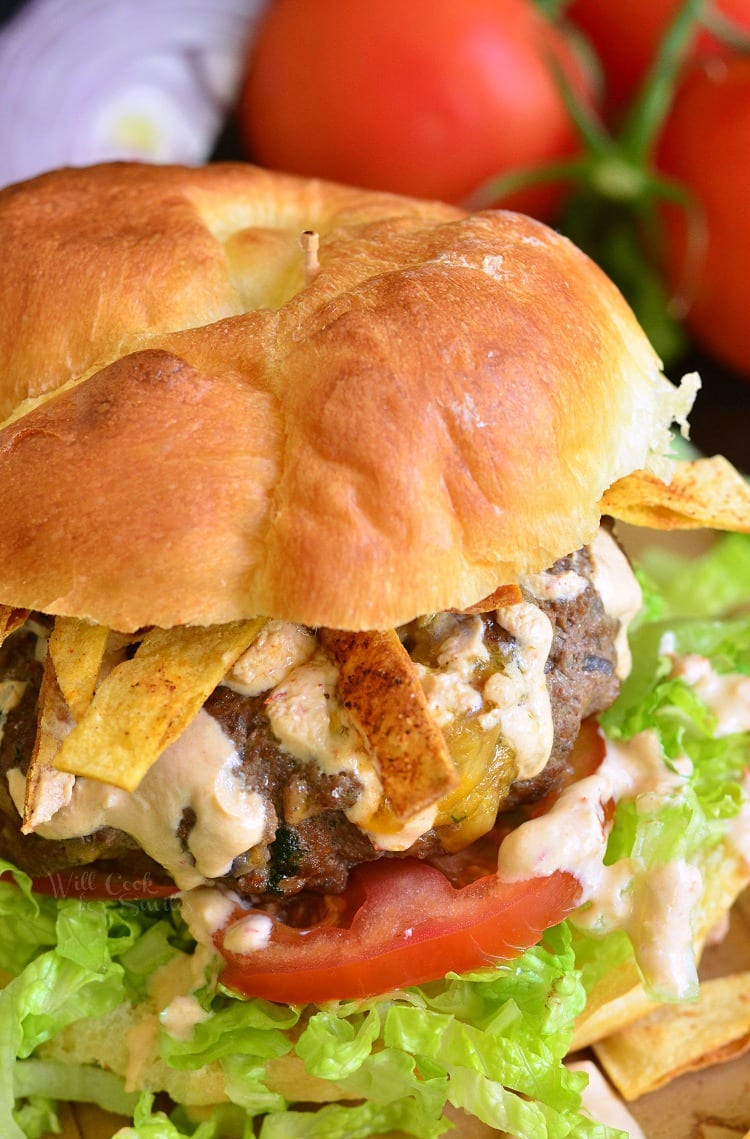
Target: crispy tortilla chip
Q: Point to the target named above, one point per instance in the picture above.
(675, 1039)
(47, 789)
(77, 650)
(498, 599)
(378, 685)
(146, 703)
(618, 1000)
(707, 493)
(10, 620)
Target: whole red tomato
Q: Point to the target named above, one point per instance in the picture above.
(706, 147)
(427, 97)
(626, 35)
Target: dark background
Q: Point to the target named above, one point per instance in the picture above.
(721, 418)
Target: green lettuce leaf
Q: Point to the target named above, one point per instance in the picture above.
(237, 1028)
(68, 960)
(28, 921)
(691, 820)
(491, 1043)
(148, 1124)
(704, 587)
(81, 1083)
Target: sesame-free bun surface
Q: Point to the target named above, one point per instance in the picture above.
(206, 436)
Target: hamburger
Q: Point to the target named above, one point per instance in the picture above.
(312, 605)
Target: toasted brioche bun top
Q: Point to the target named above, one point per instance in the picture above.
(206, 436)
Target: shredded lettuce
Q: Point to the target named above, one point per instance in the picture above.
(490, 1043)
(68, 961)
(693, 818)
(709, 586)
(225, 1123)
(685, 600)
(57, 1080)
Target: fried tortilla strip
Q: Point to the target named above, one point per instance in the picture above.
(674, 1039)
(706, 493)
(378, 685)
(77, 650)
(10, 620)
(146, 703)
(498, 599)
(47, 789)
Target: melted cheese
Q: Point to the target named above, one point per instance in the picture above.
(451, 688)
(279, 647)
(199, 772)
(547, 586)
(518, 699)
(405, 836)
(308, 721)
(619, 590)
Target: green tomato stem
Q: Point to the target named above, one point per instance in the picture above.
(654, 100)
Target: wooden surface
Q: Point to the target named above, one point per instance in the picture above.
(86, 1122)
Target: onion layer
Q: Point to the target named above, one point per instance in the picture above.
(101, 80)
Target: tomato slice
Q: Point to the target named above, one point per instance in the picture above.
(412, 927)
(407, 922)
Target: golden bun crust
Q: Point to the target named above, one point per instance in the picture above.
(207, 436)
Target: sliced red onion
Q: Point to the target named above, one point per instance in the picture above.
(97, 80)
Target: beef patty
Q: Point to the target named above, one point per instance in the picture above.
(310, 844)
